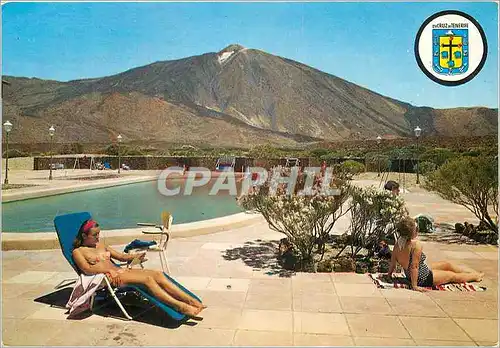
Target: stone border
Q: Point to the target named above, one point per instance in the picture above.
(49, 240)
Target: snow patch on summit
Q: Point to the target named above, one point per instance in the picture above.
(224, 56)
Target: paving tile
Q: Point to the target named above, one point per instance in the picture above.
(308, 277)
(194, 283)
(357, 290)
(31, 277)
(19, 308)
(266, 320)
(424, 307)
(228, 284)
(469, 309)
(317, 340)
(316, 302)
(274, 284)
(488, 255)
(31, 332)
(324, 286)
(59, 277)
(487, 344)
(383, 341)
(351, 278)
(187, 336)
(272, 301)
(15, 290)
(369, 325)
(320, 323)
(225, 299)
(460, 255)
(405, 293)
(434, 329)
(444, 343)
(480, 329)
(221, 246)
(233, 272)
(372, 305)
(221, 318)
(262, 338)
(490, 295)
(49, 313)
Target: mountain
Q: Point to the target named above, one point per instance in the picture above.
(235, 97)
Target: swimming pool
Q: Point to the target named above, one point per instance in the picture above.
(116, 207)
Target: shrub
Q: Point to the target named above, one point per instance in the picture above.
(377, 162)
(15, 153)
(425, 167)
(353, 167)
(438, 156)
(318, 153)
(471, 182)
(305, 219)
(374, 214)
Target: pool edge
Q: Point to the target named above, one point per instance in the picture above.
(49, 240)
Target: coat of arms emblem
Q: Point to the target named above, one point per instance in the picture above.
(450, 51)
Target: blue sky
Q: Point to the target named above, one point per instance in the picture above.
(370, 44)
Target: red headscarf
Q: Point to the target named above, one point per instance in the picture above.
(88, 225)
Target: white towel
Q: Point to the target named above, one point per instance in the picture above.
(85, 287)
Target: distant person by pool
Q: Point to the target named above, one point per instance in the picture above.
(393, 187)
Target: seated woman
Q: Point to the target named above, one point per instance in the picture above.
(93, 257)
(408, 253)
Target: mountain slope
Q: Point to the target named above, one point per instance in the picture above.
(237, 97)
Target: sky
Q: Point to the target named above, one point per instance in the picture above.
(370, 44)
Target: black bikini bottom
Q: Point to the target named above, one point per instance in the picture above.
(429, 281)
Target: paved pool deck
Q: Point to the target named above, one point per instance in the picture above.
(252, 301)
(264, 305)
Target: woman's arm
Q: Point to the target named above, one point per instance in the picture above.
(393, 261)
(83, 265)
(123, 256)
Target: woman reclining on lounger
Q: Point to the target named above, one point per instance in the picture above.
(408, 253)
(93, 257)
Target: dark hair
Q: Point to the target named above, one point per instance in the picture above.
(78, 242)
(391, 185)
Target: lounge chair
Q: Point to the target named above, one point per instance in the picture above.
(67, 227)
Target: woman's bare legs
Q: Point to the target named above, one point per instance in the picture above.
(445, 277)
(448, 266)
(146, 279)
(174, 290)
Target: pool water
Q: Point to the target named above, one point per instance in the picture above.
(117, 207)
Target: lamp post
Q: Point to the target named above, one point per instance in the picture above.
(379, 140)
(52, 130)
(417, 135)
(8, 127)
(119, 137)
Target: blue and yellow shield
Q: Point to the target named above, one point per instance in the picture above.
(450, 50)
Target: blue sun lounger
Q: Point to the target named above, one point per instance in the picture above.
(67, 227)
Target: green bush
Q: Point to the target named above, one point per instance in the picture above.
(353, 167)
(425, 167)
(112, 150)
(438, 156)
(15, 153)
(471, 182)
(318, 153)
(376, 162)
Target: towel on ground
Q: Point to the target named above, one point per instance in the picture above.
(85, 287)
(399, 281)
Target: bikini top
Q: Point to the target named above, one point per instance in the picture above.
(101, 256)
